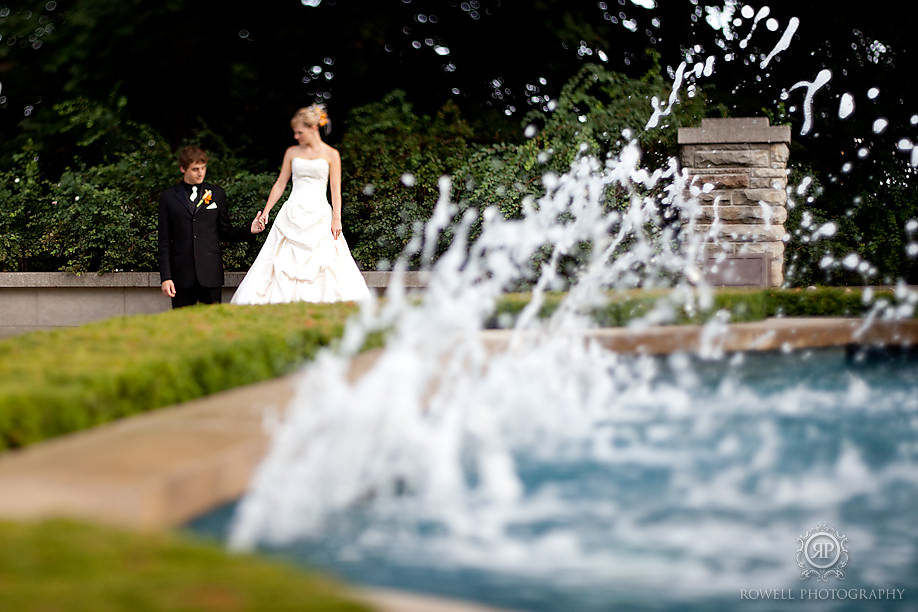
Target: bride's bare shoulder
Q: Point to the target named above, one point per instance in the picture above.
(330, 152)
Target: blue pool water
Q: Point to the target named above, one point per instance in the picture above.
(694, 490)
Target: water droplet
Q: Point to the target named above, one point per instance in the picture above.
(846, 106)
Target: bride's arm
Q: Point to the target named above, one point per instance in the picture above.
(279, 185)
(334, 182)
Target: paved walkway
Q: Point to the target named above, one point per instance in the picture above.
(161, 469)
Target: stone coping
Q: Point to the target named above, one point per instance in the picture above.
(160, 469)
(734, 130)
(90, 280)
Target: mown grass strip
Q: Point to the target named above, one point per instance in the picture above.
(66, 565)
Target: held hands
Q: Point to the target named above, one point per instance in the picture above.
(259, 223)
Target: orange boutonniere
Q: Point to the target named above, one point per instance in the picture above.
(208, 196)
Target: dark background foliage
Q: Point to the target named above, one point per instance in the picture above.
(97, 95)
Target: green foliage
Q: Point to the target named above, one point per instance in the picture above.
(82, 193)
(392, 162)
(70, 565)
(246, 193)
(597, 113)
(23, 196)
(97, 210)
(743, 305)
(127, 365)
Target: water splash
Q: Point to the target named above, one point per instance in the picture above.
(436, 354)
(531, 454)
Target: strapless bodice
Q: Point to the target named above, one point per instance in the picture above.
(310, 177)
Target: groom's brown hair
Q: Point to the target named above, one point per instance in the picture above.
(192, 154)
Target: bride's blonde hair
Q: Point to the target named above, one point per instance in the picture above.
(310, 116)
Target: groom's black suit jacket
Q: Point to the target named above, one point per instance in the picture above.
(190, 235)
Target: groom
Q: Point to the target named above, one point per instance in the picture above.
(193, 219)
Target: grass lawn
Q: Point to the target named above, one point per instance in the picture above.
(65, 566)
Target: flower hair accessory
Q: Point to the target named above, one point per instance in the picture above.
(323, 118)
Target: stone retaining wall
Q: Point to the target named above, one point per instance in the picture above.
(31, 301)
(738, 166)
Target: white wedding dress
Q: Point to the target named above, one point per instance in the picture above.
(300, 261)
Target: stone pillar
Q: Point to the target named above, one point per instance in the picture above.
(744, 162)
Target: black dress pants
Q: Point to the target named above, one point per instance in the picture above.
(195, 294)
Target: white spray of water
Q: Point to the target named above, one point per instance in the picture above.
(784, 43)
(821, 79)
(444, 427)
(845, 106)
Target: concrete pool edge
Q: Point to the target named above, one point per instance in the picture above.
(159, 470)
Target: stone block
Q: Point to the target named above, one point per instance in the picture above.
(773, 173)
(727, 180)
(754, 196)
(780, 153)
(735, 130)
(756, 182)
(718, 158)
(722, 197)
(743, 232)
(776, 215)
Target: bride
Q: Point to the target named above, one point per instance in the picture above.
(305, 257)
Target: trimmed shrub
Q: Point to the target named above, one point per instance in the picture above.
(128, 365)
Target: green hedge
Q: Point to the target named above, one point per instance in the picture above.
(66, 565)
(744, 305)
(70, 379)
